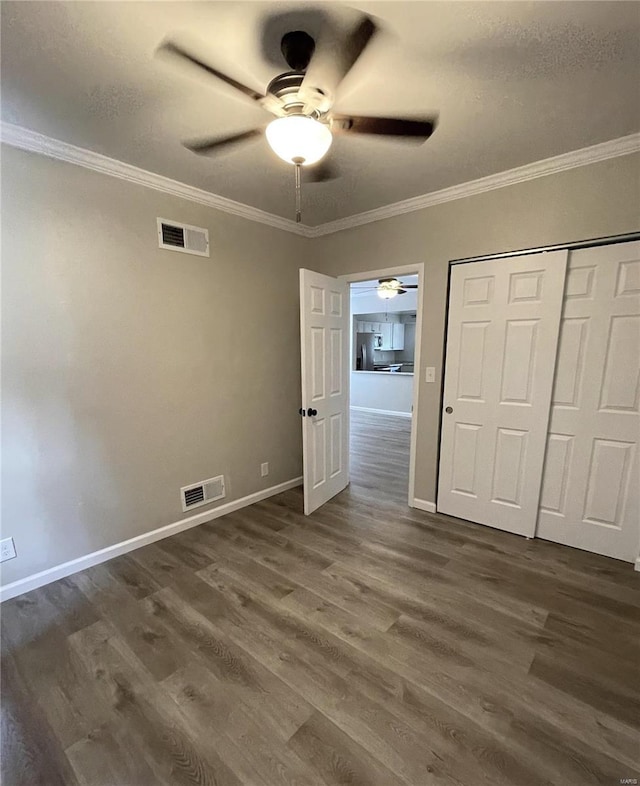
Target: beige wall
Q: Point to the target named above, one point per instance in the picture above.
(594, 201)
(129, 371)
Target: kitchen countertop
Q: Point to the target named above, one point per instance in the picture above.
(388, 373)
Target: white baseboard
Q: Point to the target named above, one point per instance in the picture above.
(423, 504)
(96, 557)
(391, 412)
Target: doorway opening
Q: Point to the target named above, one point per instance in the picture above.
(384, 367)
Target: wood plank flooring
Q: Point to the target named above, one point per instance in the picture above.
(368, 644)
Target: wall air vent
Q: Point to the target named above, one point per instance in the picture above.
(175, 236)
(202, 493)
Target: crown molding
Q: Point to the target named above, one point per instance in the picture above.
(26, 139)
(549, 166)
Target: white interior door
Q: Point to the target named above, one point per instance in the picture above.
(590, 485)
(502, 338)
(324, 339)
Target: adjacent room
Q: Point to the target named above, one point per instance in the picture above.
(382, 389)
(320, 393)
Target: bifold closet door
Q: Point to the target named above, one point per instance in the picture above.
(590, 489)
(502, 339)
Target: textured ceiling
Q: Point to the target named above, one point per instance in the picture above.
(513, 82)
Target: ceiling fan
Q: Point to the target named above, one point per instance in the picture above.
(302, 100)
(388, 288)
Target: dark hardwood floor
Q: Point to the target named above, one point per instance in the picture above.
(380, 456)
(368, 644)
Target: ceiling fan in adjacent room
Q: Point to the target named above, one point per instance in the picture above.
(302, 100)
(387, 288)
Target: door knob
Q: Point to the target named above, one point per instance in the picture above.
(302, 412)
(449, 410)
(312, 412)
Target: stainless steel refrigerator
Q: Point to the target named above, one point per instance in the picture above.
(364, 351)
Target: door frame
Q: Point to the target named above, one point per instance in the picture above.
(399, 271)
(506, 255)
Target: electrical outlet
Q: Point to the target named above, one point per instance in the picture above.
(264, 469)
(7, 549)
(430, 374)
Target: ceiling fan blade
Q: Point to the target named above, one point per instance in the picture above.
(172, 48)
(410, 286)
(335, 56)
(321, 172)
(206, 146)
(384, 126)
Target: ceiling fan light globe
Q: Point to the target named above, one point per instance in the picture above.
(386, 293)
(299, 139)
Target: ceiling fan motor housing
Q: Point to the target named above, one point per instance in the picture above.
(297, 48)
(286, 87)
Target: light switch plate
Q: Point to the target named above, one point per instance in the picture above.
(264, 469)
(430, 374)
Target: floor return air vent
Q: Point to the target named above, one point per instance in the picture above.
(202, 493)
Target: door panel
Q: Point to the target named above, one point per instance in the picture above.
(570, 362)
(502, 341)
(317, 363)
(526, 287)
(336, 361)
(465, 458)
(590, 492)
(518, 361)
(607, 482)
(319, 452)
(619, 391)
(557, 461)
(336, 444)
(471, 360)
(324, 336)
(508, 466)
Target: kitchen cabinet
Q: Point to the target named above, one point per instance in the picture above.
(392, 335)
(397, 336)
(386, 329)
(368, 327)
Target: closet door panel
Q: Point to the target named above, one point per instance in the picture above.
(502, 341)
(595, 407)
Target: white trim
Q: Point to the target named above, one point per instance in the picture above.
(25, 139)
(399, 270)
(96, 557)
(405, 270)
(637, 565)
(423, 504)
(394, 413)
(549, 166)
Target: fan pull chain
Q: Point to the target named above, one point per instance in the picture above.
(298, 164)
